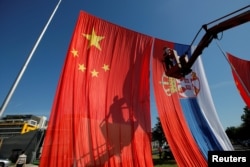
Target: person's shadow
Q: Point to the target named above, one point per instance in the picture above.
(118, 129)
(127, 112)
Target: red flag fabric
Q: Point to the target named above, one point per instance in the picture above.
(180, 139)
(240, 71)
(100, 114)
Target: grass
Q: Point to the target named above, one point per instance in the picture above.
(36, 162)
(156, 160)
(163, 162)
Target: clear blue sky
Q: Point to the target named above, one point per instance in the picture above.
(21, 23)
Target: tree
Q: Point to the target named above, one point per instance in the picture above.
(245, 126)
(232, 132)
(158, 134)
(242, 131)
(246, 118)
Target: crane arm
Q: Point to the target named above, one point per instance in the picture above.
(211, 33)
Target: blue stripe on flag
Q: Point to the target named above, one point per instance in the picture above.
(199, 126)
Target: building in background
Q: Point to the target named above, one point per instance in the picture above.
(21, 133)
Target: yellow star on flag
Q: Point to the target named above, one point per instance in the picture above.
(94, 39)
(81, 67)
(74, 52)
(105, 67)
(94, 73)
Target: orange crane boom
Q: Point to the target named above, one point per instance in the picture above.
(180, 70)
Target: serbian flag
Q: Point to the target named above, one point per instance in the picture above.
(180, 139)
(101, 111)
(240, 71)
(186, 110)
(200, 113)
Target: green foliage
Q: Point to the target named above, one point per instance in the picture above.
(163, 162)
(158, 133)
(246, 118)
(232, 132)
(241, 132)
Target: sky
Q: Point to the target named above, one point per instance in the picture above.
(21, 23)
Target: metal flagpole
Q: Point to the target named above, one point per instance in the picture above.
(9, 95)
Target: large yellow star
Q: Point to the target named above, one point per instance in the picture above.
(94, 73)
(105, 67)
(94, 39)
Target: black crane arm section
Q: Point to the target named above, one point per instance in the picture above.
(184, 67)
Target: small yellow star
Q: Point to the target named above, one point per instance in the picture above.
(94, 39)
(81, 67)
(94, 73)
(105, 67)
(74, 52)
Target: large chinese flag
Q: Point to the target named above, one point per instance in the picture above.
(100, 114)
(240, 71)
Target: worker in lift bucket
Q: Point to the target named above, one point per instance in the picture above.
(168, 58)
